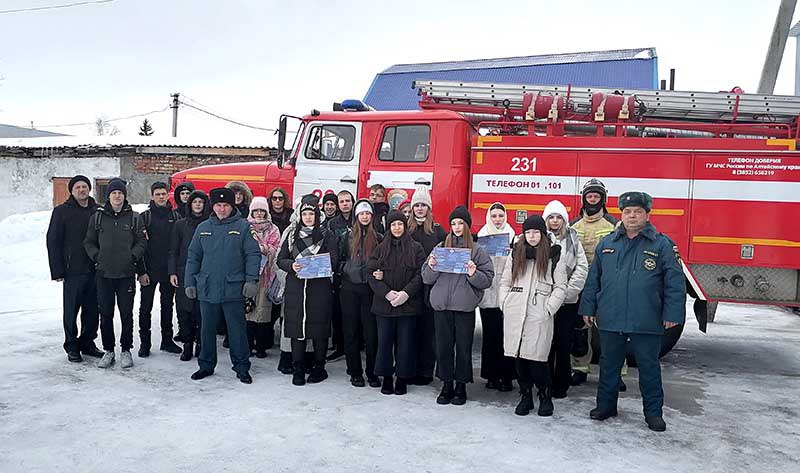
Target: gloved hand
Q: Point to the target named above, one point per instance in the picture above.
(250, 289)
(191, 292)
(390, 296)
(402, 298)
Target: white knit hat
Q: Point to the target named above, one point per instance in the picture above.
(422, 196)
(363, 206)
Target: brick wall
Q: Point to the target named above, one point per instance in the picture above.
(167, 164)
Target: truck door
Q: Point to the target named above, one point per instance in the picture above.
(328, 160)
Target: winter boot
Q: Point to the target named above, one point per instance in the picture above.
(400, 386)
(578, 378)
(318, 373)
(421, 380)
(285, 363)
(299, 377)
(188, 348)
(460, 397)
(91, 350)
(506, 386)
(74, 356)
(388, 385)
(125, 359)
(602, 414)
(446, 396)
(107, 360)
(493, 384)
(197, 350)
(656, 423)
(245, 377)
(169, 346)
(545, 403)
(357, 381)
(144, 344)
(525, 405)
(373, 381)
(201, 373)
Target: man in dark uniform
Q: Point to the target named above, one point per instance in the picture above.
(70, 263)
(634, 291)
(222, 269)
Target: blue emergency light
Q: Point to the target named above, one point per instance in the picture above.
(355, 105)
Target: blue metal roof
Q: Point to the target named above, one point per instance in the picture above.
(628, 68)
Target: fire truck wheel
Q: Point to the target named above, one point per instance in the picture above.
(671, 337)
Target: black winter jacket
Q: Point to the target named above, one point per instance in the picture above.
(429, 242)
(158, 223)
(307, 303)
(65, 236)
(397, 277)
(182, 233)
(115, 241)
(176, 197)
(283, 219)
(355, 276)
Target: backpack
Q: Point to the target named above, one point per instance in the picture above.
(134, 222)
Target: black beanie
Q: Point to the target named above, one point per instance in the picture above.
(223, 195)
(462, 213)
(117, 184)
(535, 222)
(394, 216)
(77, 179)
(198, 194)
(330, 198)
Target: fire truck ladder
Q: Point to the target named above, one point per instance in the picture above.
(590, 102)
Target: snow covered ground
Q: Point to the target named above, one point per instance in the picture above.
(731, 405)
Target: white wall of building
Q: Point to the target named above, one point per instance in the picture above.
(25, 183)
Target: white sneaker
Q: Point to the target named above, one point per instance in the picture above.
(107, 360)
(126, 360)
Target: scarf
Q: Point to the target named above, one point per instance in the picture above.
(268, 238)
(305, 245)
(530, 252)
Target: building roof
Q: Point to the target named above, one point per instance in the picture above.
(11, 131)
(626, 68)
(120, 141)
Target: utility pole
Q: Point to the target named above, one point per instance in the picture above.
(174, 108)
(772, 62)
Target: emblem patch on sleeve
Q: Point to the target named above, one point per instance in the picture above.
(234, 232)
(677, 254)
(607, 250)
(649, 264)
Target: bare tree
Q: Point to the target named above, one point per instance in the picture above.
(103, 127)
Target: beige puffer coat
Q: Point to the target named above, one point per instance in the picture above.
(529, 306)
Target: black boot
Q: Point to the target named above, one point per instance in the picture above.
(602, 414)
(188, 348)
(400, 386)
(144, 345)
(656, 423)
(578, 378)
(388, 385)
(261, 340)
(525, 405)
(446, 396)
(74, 356)
(299, 378)
(460, 397)
(545, 403)
(169, 346)
(91, 350)
(506, 386)
(285, 363)
(318, 373)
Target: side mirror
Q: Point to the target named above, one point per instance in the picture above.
(281, 140)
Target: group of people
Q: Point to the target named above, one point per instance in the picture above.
(234, 264)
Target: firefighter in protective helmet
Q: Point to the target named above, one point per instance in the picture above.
(592, 225)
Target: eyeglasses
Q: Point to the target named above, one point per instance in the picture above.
(277, 197)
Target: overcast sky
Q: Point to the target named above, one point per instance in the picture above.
(252, 60)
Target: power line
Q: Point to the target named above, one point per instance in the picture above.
(53, 7)
(107, 121)
(227, 119)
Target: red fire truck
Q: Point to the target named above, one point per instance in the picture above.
(722, 167)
